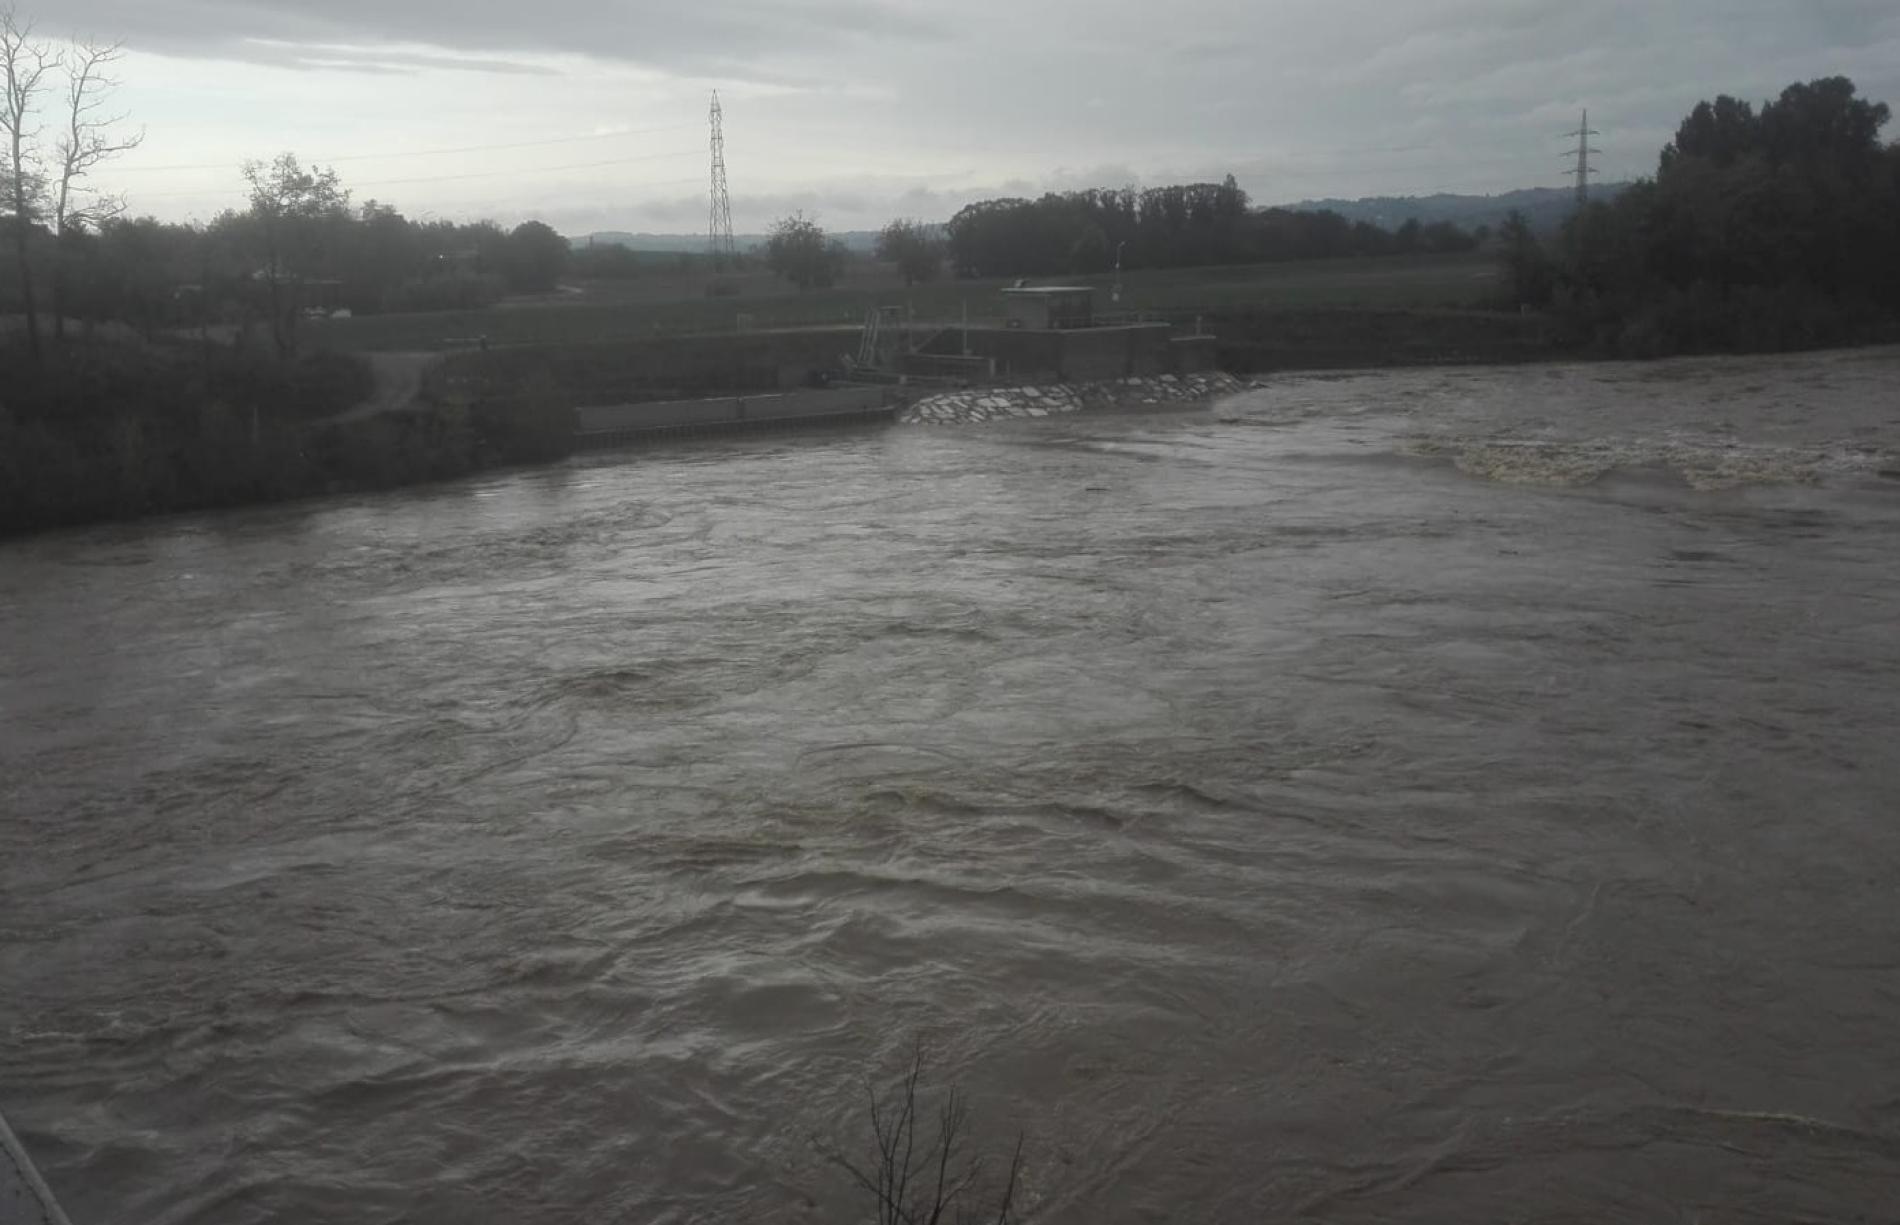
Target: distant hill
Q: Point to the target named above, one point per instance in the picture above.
(1545, 207)
(695, 244)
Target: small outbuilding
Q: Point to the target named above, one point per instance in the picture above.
(1046, 307)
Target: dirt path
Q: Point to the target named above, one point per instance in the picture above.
(398, 382)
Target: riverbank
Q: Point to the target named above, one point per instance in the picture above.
(136, 428)
(132, 430)
(1258, 340)
(179, 428)
(673, 306)
(1249, 340)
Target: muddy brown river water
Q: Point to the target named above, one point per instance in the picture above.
(1434, 796)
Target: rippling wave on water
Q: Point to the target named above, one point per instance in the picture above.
(1274, 820)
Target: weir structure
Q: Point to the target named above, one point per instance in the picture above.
(614, 425)
(829, 377)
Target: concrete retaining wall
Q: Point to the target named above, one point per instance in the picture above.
(670, 368)
(613, 424)
(1114, 352)
(1106, 352)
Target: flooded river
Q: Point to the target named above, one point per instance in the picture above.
(1436, 796)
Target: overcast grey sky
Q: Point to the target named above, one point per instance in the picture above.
(859, 110)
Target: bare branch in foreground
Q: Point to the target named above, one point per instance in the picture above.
(919, 1177)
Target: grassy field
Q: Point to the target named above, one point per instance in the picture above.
(671, 303)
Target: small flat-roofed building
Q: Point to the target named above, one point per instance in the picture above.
(1052, 332)
(1043, 307)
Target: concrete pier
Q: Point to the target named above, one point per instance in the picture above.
(25, 1198)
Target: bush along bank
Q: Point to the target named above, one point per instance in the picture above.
(1007, 403)
(152, 432)
(1762, 230)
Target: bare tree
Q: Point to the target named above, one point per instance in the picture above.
(88, 140)
(917, 1177)
(25, 64)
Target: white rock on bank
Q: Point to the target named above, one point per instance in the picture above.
(1022, 403)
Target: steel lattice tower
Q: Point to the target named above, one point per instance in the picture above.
(719, 222)
(1584, 170)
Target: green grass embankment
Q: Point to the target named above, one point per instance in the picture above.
(631, 341)
(1255, 340)
(640, 309)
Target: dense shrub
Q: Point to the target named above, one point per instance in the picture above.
(143, 430)
(451, 291)
(1760, 232)
(1186, 225)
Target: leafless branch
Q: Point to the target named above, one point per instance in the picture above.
(909, 1124)
(1009, 1187)
(88, 139)
(918, 1179)
(25, 64)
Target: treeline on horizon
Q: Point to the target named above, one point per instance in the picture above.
(1180, 226)
(299, 227)
(1764, 229)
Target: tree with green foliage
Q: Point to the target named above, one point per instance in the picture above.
(536, 257)
(914, 247)
(797, 249)
(293, 213)
(1526, 267)
(1184, 225)
(1763, 229)
(606, 262)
